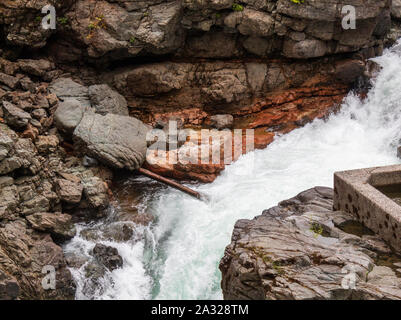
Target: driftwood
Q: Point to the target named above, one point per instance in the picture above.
(171, 183)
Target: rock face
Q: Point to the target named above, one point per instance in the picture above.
(271, 66)
(119, 141)
(39, 184)
(302, 249)
(114, 30)
(108, 256)
(58, 224)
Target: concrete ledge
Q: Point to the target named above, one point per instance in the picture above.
(355, 192)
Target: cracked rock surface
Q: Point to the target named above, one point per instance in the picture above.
(302, 249)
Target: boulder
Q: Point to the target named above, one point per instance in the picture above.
(348, 71)
(14, 116)
(69, 191)
(108, 256)
(66, 88)
(118, 141)
(303, 250)
(222, 121)
(106, 100)
(117, 231)
(69, 114)
(57, 224)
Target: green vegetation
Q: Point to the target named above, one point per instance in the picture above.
(218, 15)
(297, 1)
(238, 7)
(317, 229)
(132, 40)
(62, 20)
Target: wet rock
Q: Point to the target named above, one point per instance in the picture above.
(108, 256)
(106, 100)
(118, 141)
(68, 191)
(75, 260)
(301, 249)
(57, 224)
(117, 231)
(14, 116)
(349, 70)
(94, 271)
(222, 121)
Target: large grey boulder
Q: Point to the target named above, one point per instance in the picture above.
(69, 114)
(66, 88)
(118, 141)
(303, 250)
(78, 99)
(106, 100)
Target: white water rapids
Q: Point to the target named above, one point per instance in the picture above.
(179, 253)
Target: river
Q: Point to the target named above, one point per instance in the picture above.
(177, 255)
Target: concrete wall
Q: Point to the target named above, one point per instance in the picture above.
(355, 192)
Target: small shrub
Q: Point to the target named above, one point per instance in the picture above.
(62, 20)
(317, 229)
(238, 7)
(297, 1)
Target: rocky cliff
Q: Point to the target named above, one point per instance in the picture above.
(303, 250)
(268, 65)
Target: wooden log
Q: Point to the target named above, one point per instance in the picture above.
(171, 183)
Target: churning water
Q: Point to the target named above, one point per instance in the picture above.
(179, 253)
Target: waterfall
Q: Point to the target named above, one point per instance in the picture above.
(177, 256)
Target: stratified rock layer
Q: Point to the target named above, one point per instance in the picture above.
(301, 250)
